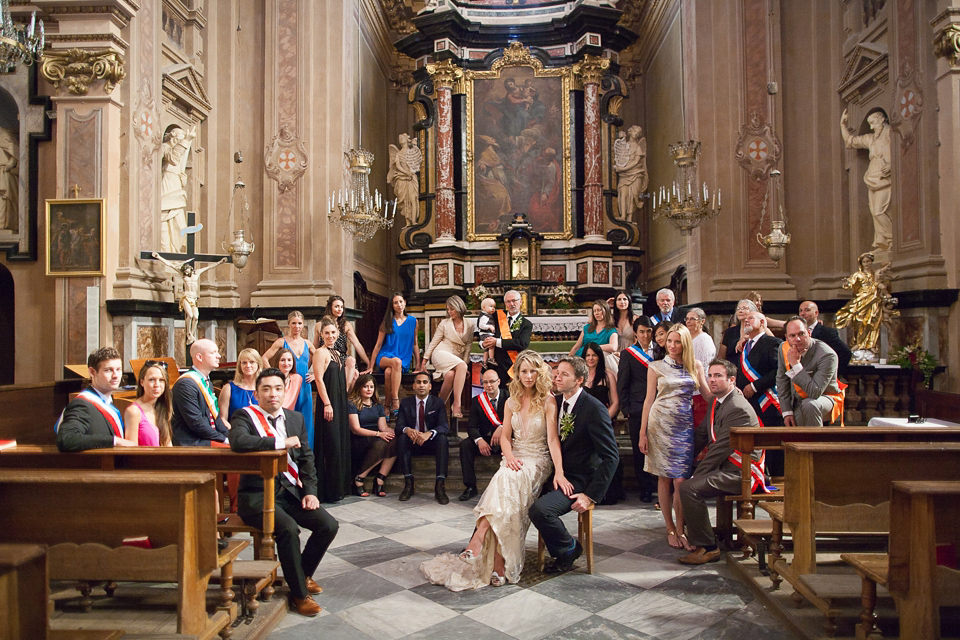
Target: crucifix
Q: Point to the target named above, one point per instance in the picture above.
(183, 263)
(75, 191)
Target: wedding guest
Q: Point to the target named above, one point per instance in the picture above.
(371, 440)
(335, 309)
(196, 418)
(731, 336)
(601, 330)
(147, 419)
(332, 422)
(659, 345)
(293, 383)
(449, 351)
(302, 351)
(703, 350)
(238, 393)
(396, 351)
(91, 420)
(623, 318)
(632, 388)
(600, 383)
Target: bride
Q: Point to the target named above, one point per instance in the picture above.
(494, 554)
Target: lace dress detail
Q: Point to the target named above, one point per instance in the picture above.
(506, 505)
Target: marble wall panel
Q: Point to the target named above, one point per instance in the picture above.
(441, 275)
(423, 279)
(118, 342)
(220, 337)
(458, 275)
(179, 346)
(82, 153)
(152, 341)
(601, 273)
(582, 273)
(490, 273)
(76, 347)
(553, 273)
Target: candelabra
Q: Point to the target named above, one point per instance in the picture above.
(19, 44)
(685, 204)
(777, 240)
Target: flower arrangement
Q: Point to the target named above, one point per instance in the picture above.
(913, 357)
(566, 426)
(562, 296)
(475, 296)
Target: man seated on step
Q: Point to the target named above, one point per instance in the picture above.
(483, 428)
(807, 385)
(422, 429)
(717, 471)
(91, 421)
(266, 426)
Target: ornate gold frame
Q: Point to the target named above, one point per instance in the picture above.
(516, 55)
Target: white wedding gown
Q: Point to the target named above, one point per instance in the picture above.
(506, 505)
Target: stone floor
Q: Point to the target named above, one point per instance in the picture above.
(373, 588)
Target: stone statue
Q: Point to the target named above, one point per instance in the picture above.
(173, 189)
(191, 291)
(405, 162)
(9, 180)
(630, 163)
(871, 306)
(878, 174)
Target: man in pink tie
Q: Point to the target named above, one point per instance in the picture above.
(422, 428)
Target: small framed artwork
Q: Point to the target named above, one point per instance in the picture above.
(75, 237)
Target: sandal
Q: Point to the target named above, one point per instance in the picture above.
(497, 580)
(679, 544)
(358, 489)
(467, 556)
(686, 543)
(379, 481)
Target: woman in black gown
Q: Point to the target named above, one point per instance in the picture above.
(332, 418)
(600, 383)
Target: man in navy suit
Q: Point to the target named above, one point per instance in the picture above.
(91, 421)
(196, 421)
(422, 428)
(757, 369)
(666, 311)
(819, 331)
(632, 389)
(483, 428)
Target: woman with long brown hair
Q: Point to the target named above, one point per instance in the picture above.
(147, 420)
(396, 351)
(335, 309)
(302, 350)
(371, 440)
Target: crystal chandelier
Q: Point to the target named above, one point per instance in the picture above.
(239, 249)
(777, 240)
(354, 209)
(19, 44)
(685, 204)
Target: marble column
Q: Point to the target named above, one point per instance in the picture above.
(444, 75)
(591, 70)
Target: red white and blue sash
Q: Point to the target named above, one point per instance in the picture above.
(489, 410)
(266, 431)
(109, 411)
(757, 479)
(769, 396)
(642, 356)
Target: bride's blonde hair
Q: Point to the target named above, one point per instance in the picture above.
(688, 361)
(544, 382)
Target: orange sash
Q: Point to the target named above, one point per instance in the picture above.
(837, 398)
(506, 334)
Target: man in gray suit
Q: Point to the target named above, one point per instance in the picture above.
(807, 379)
(717, 470)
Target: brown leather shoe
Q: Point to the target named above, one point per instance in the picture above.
(700, 556)
(305, 606)
(313, 587)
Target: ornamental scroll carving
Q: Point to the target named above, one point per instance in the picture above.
(758, 148)
(947, 43)
(285, 158)
(79, 68)
(908, 103)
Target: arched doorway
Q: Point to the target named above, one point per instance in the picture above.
(7, 341)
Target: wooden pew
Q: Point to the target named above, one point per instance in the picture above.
(922, 515)
(843, 488)
(266, 464)
(84, 516)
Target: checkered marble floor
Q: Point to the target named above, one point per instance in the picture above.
(373, 588)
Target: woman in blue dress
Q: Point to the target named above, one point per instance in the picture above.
(397, 351)
(303, 352)
(666, 430)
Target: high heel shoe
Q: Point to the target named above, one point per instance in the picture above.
(467, 556)
(378, 483)
(497, 580)
(358, 489)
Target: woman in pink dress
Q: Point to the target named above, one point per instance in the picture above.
(291, 390)
(147, 419)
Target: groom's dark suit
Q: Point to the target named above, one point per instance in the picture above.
(590, 457)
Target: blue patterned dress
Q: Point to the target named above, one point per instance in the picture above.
(670, 425)
(305, 402)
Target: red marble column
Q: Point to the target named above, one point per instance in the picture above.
(591, 70)
(445, 74)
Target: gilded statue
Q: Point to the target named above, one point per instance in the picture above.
(173, 189)
(630, 163)
(191, 291)
(872, 305)
(878, 174)
(405, 162)
(9, 179)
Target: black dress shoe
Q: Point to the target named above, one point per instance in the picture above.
(222, 544)
(407, 489)
(564, 561)
(646, 497)
(468, 493)
(440, 492)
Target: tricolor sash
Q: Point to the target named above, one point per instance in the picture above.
(266, 431)
(642, 356)
(110, 412)
(757, 479)
(202, 382)
(769, 396)
(489, 410)
(506, 334)
(837, 398)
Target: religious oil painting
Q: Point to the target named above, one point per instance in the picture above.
(75, 237)
(518, 136)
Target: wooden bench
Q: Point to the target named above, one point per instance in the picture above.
(844, 488)
(84, 516)
(584, 535)
(923, 516)
(266, 464)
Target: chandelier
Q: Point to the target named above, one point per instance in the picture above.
(354, 209)
(777, 240)
(239, 249)
(19, 44)
(685, 204)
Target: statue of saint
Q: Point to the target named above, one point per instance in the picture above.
(405, 163)
(630, 163)
(871, 306)
(191, 291)
(173, 189)
(878, 174)
(9, 180)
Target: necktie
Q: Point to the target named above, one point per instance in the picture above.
(273, 422)
(566, 408)
(747, 347)
(421, 420)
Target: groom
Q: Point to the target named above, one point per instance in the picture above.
(590, 457)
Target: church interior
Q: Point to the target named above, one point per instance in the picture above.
(182, 169)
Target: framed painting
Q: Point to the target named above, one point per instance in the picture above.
(75, 230)
(518, 146)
